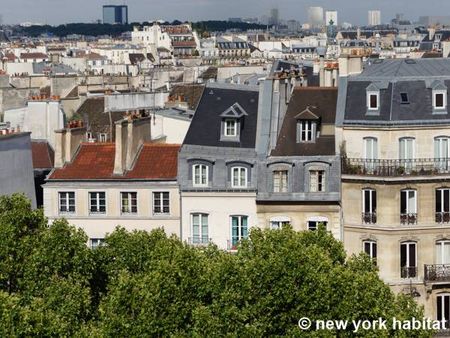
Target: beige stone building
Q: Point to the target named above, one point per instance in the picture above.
(393, 130)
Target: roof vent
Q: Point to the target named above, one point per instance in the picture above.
(410, 61)
(378, 61)
(211, 92)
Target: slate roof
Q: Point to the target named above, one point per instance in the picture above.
(205, 128)
(415, 77)
(321, 102)
(42, 154)
(191, 93)
(95, 161)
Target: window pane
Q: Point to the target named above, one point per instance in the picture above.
(412, 254)
(439, 100)
(403, 209)
(403, 255)
(373, 101)
(439, 200)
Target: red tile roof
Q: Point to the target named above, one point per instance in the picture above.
(43, 155)
(155, 161)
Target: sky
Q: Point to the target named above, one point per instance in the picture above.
(354, 11)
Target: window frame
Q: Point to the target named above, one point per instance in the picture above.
(100, 242)
(408, 210)
(240, 228)
(407, 244)
(321, 180)
(97, 202)
(370, 94)
(444, 99)
(235, 127)
(239, 169)
(201, 236)
(67, 202)
(373, 254)
(161, 203)
(280, 175)
(200, 166)
(307, 128)
(130, 200)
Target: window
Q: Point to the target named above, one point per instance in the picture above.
(96, 242)
(441, 153)
(239, 229)
(97, 202)
(103, 137)
(239, 177)
(439, 99)
(373, 100)
(200, 175)
(406, 152)
(279, 222)
(314, 222)
(408, 207)
(199, 229)
(369, 206)
(404, 98)
(317, 181)
(370, 153)
(408, 260)
(443, 309)
(161, 202)
(128, 202)
(280, 181)
(370, 248)
(230, 127)
(307, 131)
(443, 252)
(67, 202)
(443, 205)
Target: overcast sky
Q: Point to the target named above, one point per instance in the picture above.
(354, 11)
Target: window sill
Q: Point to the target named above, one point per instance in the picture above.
(67, 213)
(99, 213)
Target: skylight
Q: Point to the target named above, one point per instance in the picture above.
(404, 98)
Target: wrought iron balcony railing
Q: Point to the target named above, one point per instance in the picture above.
(199, 240)
(437, 273)
(396, 168)
(369, 217)
(443, 217)
(408, 272)
(409, 218)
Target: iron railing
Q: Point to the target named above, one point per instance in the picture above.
(409, 218)
(413, 167)
(443, 217)
(408, 272)
(199, 240)
(437, 273)
(369, 217)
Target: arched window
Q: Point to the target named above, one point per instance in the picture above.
(200, 175)
(370, 248)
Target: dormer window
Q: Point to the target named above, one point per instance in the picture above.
(232, 122)
(439, 100)
(230, 126)
(307, 125)
(307, 131)
(439, 96)
(404, 98)
(373, 99)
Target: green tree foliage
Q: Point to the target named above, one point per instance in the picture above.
(148, 284)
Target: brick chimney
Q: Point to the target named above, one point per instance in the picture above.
(67, 142)
(130, 135)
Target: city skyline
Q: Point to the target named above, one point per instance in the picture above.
(58, 12)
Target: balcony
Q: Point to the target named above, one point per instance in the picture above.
(410, 218)
(408, 272)
(369, 217)
(396, 168)
(442, 217)
(436, 273)
(199, 240)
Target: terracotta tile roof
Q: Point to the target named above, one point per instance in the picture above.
(42, 154)
(155, 161)
(33, 56)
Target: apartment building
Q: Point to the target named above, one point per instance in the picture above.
(218, 167)
(393, 129)
(99, 186)
(299, 180)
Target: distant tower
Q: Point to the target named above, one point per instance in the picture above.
(274, 17)
(374, 18)
(315, 17)
(331, 16)
(115, 14)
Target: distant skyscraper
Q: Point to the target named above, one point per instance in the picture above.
(331, 16)
(274, 17)
(115, 14)
(315, 17)
(374, 18)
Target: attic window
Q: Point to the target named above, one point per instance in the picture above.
(404, 98)
(306, 131)
(230, 126)
(439, 100)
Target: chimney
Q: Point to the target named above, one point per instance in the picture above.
(350, 65)
(130, 135)
(321, 51)
(67, 142)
